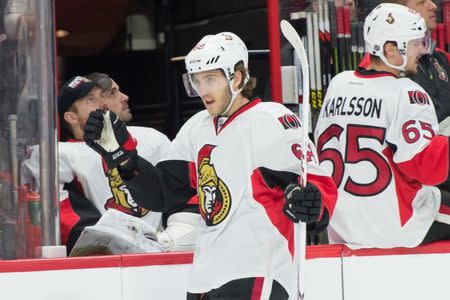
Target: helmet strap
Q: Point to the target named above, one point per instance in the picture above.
(234, 94)
(402, 67)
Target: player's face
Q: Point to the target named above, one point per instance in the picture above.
(87, 104)
(415, 49)
(213, 88)
(117, 102)
(426, 9)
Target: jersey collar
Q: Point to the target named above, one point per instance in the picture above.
(364, 73)
(240, 111)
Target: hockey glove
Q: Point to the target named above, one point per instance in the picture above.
(107, 135)
(302, 204)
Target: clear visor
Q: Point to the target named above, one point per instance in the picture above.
(204, 83)
(422, 45)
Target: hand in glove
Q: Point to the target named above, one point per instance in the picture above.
(302, 204)
(107, 135)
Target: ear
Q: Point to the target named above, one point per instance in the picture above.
(71, 118)
(390, 50)
(237, 79)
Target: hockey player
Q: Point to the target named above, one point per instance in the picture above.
(434, 66)
(377, 134)
(88, 191)
(237, 156)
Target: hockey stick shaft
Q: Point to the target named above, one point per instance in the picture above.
(300, 233)
(317, 59)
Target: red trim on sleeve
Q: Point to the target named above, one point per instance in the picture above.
(430, 166)
(193, 181)
(405, 187)
(68, 219)
(327, 189)
(257, 288)
(193, 175)
(272, 199)
(193, 200)
(444, 209)
(131, 143)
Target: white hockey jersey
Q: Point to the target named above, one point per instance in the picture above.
(79, 162)
(240, 167)
(376, 133)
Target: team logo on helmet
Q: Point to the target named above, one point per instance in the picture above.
(121, 199)
(441, 71)
(227, 36)
(390, 19)
(213, 194)
(418, 97)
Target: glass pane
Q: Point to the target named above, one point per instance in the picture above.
(24, 43)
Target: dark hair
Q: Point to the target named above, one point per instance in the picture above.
(247, 91)
(102, 80)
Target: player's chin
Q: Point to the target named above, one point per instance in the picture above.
(412, 71)
(126, 116)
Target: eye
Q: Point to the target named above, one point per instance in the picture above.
(195, 81)
(210, 80)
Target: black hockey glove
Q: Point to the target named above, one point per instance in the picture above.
(303, 205)
(107, 135)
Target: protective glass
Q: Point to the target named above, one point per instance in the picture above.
(203, 83)
(421, 45)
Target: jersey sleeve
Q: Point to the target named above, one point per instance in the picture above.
(279, 149)
(31, 170)
(152, 144)
(172, 181)
(418, 151)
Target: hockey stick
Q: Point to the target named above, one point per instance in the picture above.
(310, 45)
(300, 233)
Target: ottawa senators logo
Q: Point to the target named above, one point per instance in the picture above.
(289, 121)
(418, 97)
(213, 195)
(441, 71)
(390, 19)
(122, 199)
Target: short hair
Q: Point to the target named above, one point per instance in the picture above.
(247, 90)
(102, 80)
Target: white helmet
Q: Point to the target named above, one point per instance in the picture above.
(395, 23)
(220, 51)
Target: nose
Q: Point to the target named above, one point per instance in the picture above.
(203, 89)
(423, 50)
(431, 6)
(104, 107)
(125, 97)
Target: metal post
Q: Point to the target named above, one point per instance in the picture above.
(45, 39)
